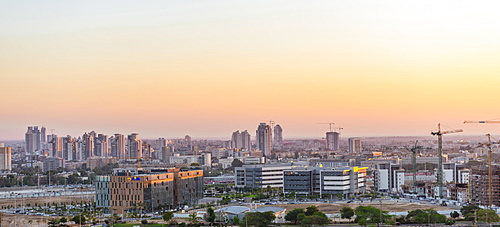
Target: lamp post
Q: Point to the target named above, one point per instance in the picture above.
(380, 211)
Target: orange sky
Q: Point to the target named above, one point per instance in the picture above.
(166, 69)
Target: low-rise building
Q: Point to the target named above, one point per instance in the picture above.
(260, 176)
(342, 180)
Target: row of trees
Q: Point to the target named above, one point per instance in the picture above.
(371, 215)
(308, 217)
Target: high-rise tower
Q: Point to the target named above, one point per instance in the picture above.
(134, 146)
(33, 140)
(278, 135)
(5, 157)
(354, 145)
(263, 138)
(118, 146)
(332, 141)
(43, 134)
(236, 140)
(245, 140)
(101, 145)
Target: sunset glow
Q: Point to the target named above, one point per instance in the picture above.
(208, 68)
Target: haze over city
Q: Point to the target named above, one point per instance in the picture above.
(168, 69)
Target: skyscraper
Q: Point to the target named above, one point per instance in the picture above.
(101, 145)
(236, 140)
(88, 144)
(56, 146)
(118, 146)
(33, 140)
(5, 157)
(278, 135)
(43, 134)
(245, 140)
(332, 141)
(354, 145)
(263, 138)
(134, 145)
(69, 149)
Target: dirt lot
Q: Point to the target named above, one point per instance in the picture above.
(331, 208)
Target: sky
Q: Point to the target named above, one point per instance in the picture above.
(208, 68)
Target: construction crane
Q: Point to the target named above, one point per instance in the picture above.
(138, 160)
(490, 171)
(440, 134)
(490, 157)
(331, 125)
(483, 122)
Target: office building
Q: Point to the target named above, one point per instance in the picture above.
(118, 146)
(263, 139)
(389, 177)
(278, 135)
(134, 145)
(131, 189)
(355, 145)
(347, 181)
(260, 176)
(102, 191)
(5, 157)
(332, 141)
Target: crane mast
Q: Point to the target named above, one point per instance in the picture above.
(414, 164)
(440, 134)
(490, 157)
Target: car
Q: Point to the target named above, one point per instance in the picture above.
(350, 201)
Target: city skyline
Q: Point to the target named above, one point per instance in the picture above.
(207, 69)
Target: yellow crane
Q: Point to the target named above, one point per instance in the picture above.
(440, 134)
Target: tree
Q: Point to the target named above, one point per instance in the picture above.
(79, 219)
(292, 215)
(236, 220)
(362, 222)
(371, 214)
(167, 216)
(315, 220)
(425, 216)
(63, 220)
(258, 219)
(346, 212)
(311, 209)
(236, 163)
(468, 212)
(193, 218)
(487, 215)
(210, 218)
